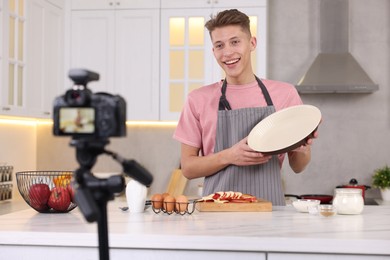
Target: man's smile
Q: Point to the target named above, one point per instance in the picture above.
(230, 62)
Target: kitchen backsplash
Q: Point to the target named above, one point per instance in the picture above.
(151, 146)
(18, 147)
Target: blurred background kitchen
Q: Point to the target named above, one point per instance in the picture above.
(354, 135)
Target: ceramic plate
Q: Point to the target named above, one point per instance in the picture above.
(284, 130)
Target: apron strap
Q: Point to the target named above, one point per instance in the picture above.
(224, 103)
(265, 92)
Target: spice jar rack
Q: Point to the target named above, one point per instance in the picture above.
(6, 182)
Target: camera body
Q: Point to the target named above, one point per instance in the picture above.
(81, 113)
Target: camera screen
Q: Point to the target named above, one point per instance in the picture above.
(77, 120)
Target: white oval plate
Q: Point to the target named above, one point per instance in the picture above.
(284, 130)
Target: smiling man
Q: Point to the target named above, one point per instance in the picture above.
(217, 119)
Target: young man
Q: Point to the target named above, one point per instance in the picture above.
(217, 119)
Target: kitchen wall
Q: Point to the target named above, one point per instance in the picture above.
(18, 146)
(355, 132)
(354, 135)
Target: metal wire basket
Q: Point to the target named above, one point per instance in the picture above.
(47, 191)
(181, 208)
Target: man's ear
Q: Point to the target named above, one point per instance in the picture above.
(253, 43)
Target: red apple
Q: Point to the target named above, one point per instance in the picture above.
(39, 195)
(71, 191)
(59, 199)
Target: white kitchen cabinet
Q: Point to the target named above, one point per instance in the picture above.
(187, 61)
(58, 3)
(33, 57)
(114, 4)
(122, 45)
(13, 56)
(45, 55)
(1, 47)
(206, 4)
(92, 45)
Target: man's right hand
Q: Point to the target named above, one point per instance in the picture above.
(241, 154)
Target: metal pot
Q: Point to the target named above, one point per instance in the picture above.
(325, 199)
(353, 183)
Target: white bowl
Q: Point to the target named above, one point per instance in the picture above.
(305, 205)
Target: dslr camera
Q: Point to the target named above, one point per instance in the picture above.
(82, 114)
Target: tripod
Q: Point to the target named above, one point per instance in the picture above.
(93, 194)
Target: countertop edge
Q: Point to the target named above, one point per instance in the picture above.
(366, 234)
(237, 243)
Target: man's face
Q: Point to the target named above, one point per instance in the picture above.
(232, 49)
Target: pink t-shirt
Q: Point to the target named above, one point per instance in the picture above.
(198, 120)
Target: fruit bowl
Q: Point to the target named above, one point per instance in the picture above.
(47, 191)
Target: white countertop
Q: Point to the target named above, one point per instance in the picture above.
(13, 205)
(282, 230)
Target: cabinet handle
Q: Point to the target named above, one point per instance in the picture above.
(6, 108)
(209, 1)
(118, 3)
(111, 3)
(216, 2)
(46, 113)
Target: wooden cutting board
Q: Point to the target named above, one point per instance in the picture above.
(259, 206)
(177, 183)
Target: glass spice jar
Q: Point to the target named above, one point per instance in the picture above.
(348, 201)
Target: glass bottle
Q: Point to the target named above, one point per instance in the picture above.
(348, 201)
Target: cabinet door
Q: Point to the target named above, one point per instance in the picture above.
(53, 72)
(114, 4)
(91, 4)
(136, 4)
(137, 62)
(186, 58)
(44, 70)
(225, 4)
(122, 46)
(58, 3)
(35, 55)
(13, 27)
(232, 4)
(183, 4)
(187, 61)
(92, 46)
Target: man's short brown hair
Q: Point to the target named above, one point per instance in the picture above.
(229, 17)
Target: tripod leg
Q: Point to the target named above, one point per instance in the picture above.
(104, 253)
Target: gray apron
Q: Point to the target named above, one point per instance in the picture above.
(263, 180)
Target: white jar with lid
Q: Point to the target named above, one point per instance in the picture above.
(348, 201)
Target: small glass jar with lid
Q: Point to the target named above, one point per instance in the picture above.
(348, 201)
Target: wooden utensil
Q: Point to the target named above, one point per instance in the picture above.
(177, 183)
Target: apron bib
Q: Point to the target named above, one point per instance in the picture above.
(263, 180)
